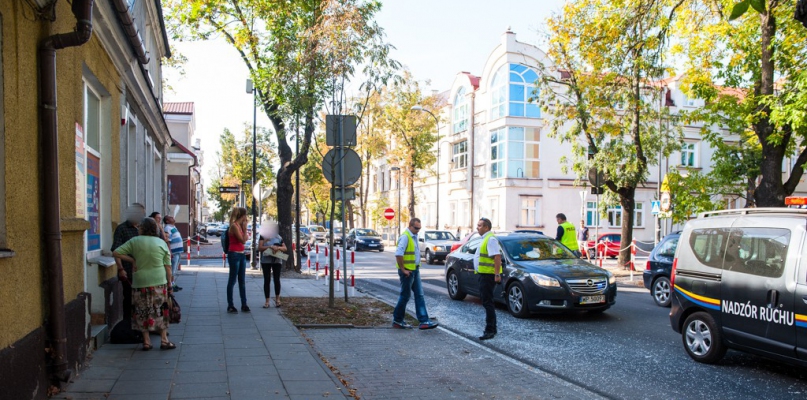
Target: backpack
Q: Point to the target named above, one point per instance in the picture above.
(174, 311)
(225, 240)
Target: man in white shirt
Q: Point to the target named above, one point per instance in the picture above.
(407, 258)
(488, 266)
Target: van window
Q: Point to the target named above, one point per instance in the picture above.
(757, 251)
(708, 245)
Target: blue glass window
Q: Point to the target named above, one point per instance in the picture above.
(523, 93)
(460, 122)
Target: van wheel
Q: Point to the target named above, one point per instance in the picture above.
(516, 301)
(453, 285)
(662, 292)
(702, 339)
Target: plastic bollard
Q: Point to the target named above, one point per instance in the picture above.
(224, 260)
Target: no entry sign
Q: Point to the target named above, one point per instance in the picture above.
(389, 213)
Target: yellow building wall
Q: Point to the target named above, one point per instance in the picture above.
(22, 299)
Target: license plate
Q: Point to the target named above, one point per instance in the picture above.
(373, 244)
(592, 299)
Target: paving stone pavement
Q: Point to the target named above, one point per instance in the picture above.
(433, 364)
(257, 355)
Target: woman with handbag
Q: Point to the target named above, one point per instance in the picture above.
(151, 264)
(237, 236)
(271, 247)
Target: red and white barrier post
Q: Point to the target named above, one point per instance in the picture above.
(327, 264)
(189, 254)
(198, 248)
(352, 273)
(632, 258)
(224, 260)
(336, 268)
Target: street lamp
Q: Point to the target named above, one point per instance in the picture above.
(251, 89)
(437, 124)
(398, 170)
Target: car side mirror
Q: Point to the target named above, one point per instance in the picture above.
(421, 240)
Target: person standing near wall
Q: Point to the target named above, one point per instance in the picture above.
(567, 234)
(123, 232)
(175, 244)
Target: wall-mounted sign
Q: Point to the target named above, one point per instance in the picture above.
(81, 206)
(93, 202)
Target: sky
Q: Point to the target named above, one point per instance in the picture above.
(435, 39)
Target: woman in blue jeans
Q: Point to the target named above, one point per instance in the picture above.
(236, 258)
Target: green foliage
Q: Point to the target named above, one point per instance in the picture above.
(691, 194)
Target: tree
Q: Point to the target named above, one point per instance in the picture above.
(372, 144)
(299, 53)
(761, 54)
(412, 133)
(602, 95)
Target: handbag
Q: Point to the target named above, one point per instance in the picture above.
(174, 310)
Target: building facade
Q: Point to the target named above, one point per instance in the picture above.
(185, 186)
(498, 161)
(81, 106)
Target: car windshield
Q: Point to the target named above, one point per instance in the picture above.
(440, 235)
(537, 249)
(366, 232)
(316, 229)
(304, 230)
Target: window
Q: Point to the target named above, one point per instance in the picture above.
(460, 154)
(158, 181)
(638, 216)
(493, 214)
(513, 92)
(708, 246)
(452, 213)
(757, 251)
(92, 118)
(689, 155)
(522, 153)
(592, 214)
(689, 102)
(131, 161)
(530, 211)
(464, 209)
(667, 248)
(497, 153)
(460, 111)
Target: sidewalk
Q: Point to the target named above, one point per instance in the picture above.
(257, 355)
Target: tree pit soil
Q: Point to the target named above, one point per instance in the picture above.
(359, 312)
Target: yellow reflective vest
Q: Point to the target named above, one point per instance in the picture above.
(409, 257)
(486, 263)
(569, 238)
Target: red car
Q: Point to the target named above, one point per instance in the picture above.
(611, 244)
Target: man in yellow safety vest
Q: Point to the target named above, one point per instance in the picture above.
(488, 266)
(407, 257)
(567, 235)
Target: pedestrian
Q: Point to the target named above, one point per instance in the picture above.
(566, 234)
(407, 258)
(123, 232)
(582, 236)
(271, 265)
(488, 267)
(151, 261)
(156, 216)
(175, 244)
(237, 236)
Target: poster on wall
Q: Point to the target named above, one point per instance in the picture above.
(178, 189)
(93, 202)
(81, 207)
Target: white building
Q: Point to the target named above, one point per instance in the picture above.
(497, 161)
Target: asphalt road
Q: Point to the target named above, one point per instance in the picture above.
(628, 352)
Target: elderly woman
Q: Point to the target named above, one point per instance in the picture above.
(151, 261)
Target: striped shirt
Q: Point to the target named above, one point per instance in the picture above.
(176, 238)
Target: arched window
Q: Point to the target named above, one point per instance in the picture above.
(518, 98)
(460, 111)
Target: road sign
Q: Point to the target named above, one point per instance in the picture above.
(228, 189)
(348, 123)
(331, 170)
(389, 213)
(655, 207)
(666, 201)
(336, 193)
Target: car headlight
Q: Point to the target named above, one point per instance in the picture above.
(611, 278)
(435, 248)
(543, 280)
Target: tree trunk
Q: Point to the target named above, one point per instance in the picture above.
(411, 188)
(628, 202)
(285, 195)
(750, 189)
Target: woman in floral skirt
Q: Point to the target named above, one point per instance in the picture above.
(151, 262)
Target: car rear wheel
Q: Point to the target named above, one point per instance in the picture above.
(453, 285)
(516, 300)
(661, 292)
(429, 257)
(702, 339)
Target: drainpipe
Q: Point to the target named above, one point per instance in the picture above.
(471, 140)
(82, 10)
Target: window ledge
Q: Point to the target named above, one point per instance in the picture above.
(683, 167)
(102, 261)
(7, 253)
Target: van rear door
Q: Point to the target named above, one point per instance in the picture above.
(800, 306)
(757, 307)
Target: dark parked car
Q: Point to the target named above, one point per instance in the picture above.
(364, 239)
(539, 275)
(657, 272)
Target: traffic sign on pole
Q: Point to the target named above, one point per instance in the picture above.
(655, 207)
(228, 189)
(389, 214)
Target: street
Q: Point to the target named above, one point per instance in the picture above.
(630, 351)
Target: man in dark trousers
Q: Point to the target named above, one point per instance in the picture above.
(566, 234)
(488, 267)
(407, 259)
(125, 231)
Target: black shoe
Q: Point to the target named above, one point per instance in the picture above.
(232, 310)
(177, 288)
(245, 309)
(487, 335)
